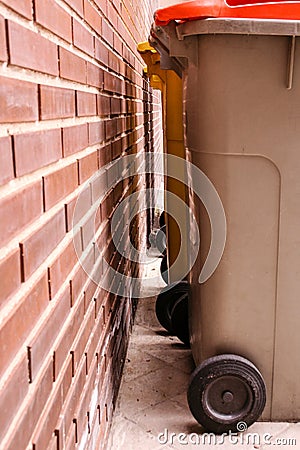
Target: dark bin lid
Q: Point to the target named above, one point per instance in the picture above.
(233, 9)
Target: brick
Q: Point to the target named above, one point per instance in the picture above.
(18, 101)
(22, 319)
(23, 206)
(88, 232)
(13, 391)
(107, 206)
(77, 283)
(110, 128)
(110, 82)
(83, 336)
(42, 242)
(121, 125)
(99, 186)
(75, 139)
(90, 293)
(59, 184)
(82, 38)
(6, 160)
(72, 67)
(24, 7)
(10, 274)
(107, 33)
(115, 105)
(92, 17)
(77, 5)
(118, 46)
(3, 45)
(95, 339)
(101, 52)
(67, 375)
(113, 62)
(73, 215)
(31, 50)
(87, 166)
(61, 267)
(103, 105)
(29, 416)
(56, 103)
(51, 16)
(105, 155)
(35, 150)
(68, 333)
(102, 4)
(47, 330)
(94, 75)
(96, 132)
(111, 13)
(86, 104)
(116, 148)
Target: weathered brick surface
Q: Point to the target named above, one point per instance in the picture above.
(41, 242)
(3, 43)
(56, 103)
(72, 99)
(86, 104)
(6, 160)
(51, 16)
(72, 67)
(59, 184)
(35, 150)
(82, 38)
(20, 209)
(18, 101)
(31, 50)
(87, 166)
(22, 319)
(75, 139)
(23, 7)
(94, 75)
(10, 274)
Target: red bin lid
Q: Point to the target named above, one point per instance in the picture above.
(234, 9)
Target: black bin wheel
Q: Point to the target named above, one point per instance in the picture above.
(162, 219)
(164, 269)
(226, 392)
(180, 319)
(166, 300)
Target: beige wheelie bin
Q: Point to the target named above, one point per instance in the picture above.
(241, 102)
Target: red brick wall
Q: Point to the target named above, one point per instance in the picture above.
(72, 99)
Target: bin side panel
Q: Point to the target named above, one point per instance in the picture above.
(243, 131)
(236, 306)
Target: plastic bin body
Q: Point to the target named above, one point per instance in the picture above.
(242, 129)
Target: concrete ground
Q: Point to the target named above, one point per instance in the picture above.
(152, 400)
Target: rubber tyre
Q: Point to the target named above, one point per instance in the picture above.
(164, 269)
(162, 220)
(224, 375)
(180, 319)
(166, 300)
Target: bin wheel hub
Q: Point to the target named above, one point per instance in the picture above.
(227, 397)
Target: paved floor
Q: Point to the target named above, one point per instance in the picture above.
(152, 401)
